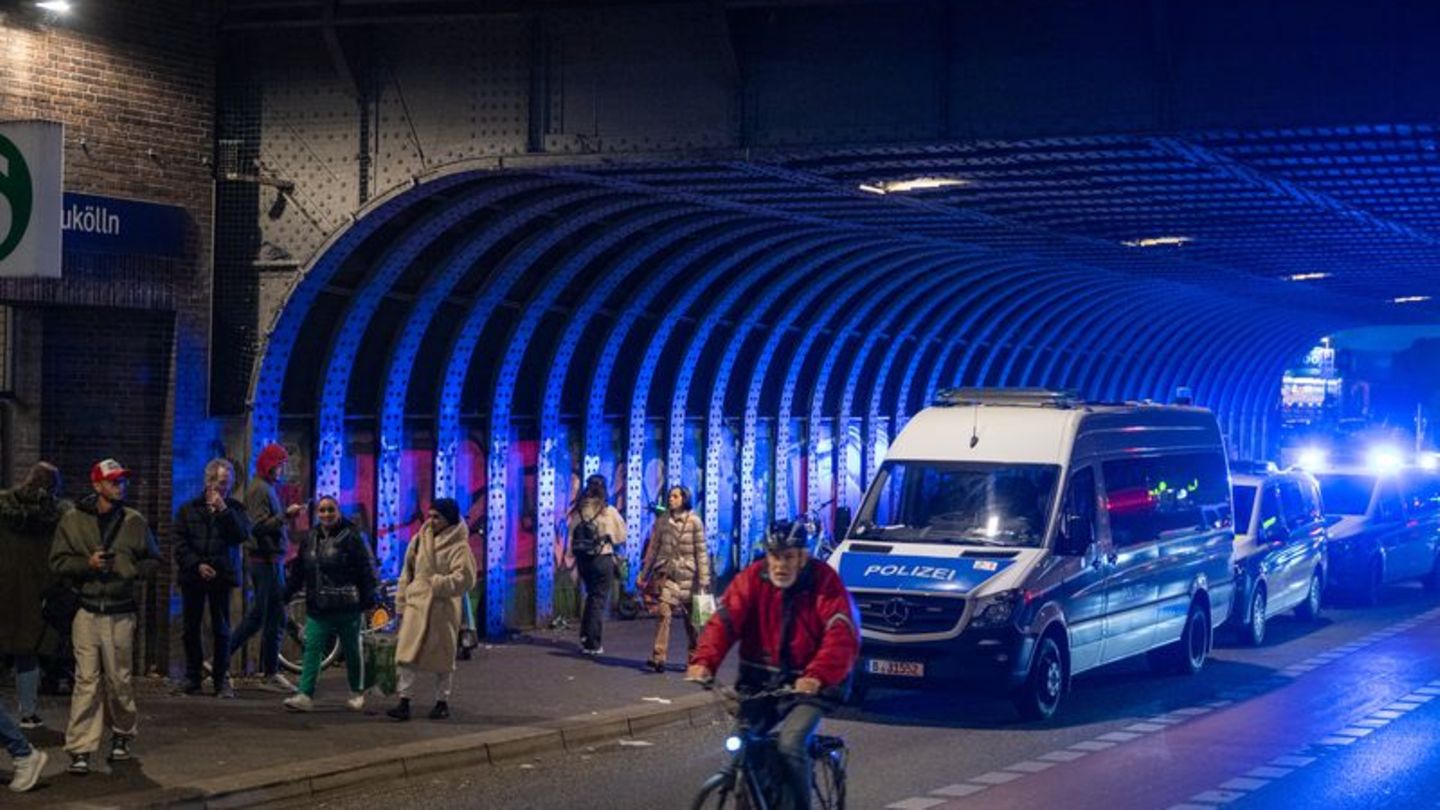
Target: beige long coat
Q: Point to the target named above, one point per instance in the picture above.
(437, 573)
(677, 561)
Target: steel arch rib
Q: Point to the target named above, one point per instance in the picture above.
(458, 361)
(274, 357)
(1048, 332)
(952, 267)
(914, 259)
(834, 246)
(1154, 376)
(437, 288)
(1050, 287)
(967, 301)
(783, 235)
(1038, 296)
(581, 317)
(991, 265)
(1122, 378)
(514, 354)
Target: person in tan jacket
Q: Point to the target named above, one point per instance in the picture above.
(596, 532)
(675, 568)
(439, 570)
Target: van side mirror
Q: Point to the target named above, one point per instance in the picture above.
(1076, 536)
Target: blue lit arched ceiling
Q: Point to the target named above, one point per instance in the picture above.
(778, 289)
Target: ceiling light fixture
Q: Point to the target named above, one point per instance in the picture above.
(1409, 299)
(1308, 276)
(55, 6)
(1159, 241)
(913, 184)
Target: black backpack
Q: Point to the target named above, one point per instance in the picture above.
(585, 540)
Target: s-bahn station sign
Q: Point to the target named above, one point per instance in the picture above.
(32, 158)
(119, 226)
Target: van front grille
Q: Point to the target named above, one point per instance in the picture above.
(909, 615)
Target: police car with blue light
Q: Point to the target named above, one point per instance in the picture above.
(1014, 538)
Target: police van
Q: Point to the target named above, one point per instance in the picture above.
(1014, 538)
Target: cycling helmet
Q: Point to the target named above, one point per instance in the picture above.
(787, 534)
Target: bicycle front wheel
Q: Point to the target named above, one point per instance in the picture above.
(292, 641)
(827, 780)
(723, 792)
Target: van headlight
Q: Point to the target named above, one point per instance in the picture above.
(996, 610)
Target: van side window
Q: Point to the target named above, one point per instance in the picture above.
(1292, 506)
(1269, 509)
(1080, 499)
(1421, 493)
(1390, 507)
(1310, 491)
(1147, 497)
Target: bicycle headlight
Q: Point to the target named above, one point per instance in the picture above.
(732, 744)
(996, 610)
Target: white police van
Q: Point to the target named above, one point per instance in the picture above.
(1014, 538)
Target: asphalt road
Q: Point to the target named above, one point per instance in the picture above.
(1323, 708)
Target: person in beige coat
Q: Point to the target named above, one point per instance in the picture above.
(675, 568)
(439, 570)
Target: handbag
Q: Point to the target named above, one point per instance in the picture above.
(702, 607)
(58, 605)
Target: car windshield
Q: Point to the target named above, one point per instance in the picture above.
(939, 502)
(1244, 507)
(1346, 494)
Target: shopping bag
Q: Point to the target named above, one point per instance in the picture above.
(379, 652)
(702, 607)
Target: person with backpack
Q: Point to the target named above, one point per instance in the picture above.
(596, 532)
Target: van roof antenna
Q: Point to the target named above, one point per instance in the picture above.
(975, 428)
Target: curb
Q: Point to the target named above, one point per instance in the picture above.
(391, 764)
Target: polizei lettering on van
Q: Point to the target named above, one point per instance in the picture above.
(915, 573)
(919, 571)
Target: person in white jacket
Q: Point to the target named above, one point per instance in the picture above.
(596, 532)
(439, 570)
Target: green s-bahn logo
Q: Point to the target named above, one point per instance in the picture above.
(19, 193)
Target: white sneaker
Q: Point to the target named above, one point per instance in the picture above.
(299, 702)
(356, 701)
(278, 683)
(28, 769)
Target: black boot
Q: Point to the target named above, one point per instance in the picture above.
(401, 712)
(441, 710)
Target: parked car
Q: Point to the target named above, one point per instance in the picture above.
(1015, 538)
(1280, 539)
(1384, 528)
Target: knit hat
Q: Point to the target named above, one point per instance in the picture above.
(448, 509)
(271, 457)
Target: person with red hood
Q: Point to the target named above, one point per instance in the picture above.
(269, 544)
(797, 627)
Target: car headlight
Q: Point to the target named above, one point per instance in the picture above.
(996, 610)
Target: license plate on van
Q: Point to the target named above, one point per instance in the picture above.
(905, 669)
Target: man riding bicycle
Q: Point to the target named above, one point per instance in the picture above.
(798, 627)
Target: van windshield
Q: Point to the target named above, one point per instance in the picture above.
(940, 502)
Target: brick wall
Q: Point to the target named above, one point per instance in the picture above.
(121, 344)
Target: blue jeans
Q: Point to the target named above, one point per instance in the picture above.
(265, 615)
(12, 737)
(27, 684)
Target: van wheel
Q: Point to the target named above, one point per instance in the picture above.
(1309, 610)
(1039, 696)
(1369, 591)
(1186, 656)
(1254, 634)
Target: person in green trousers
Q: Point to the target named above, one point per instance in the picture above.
(335, 569)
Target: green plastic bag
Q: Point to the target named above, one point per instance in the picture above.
(702, 607)
(380, 672)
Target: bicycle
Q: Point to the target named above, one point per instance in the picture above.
(377, 619)
(750, 780)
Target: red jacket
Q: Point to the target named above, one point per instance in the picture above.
(824, 635)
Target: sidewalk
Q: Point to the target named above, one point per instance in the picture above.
(531, 694)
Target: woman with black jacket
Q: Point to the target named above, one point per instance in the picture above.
(336, 570)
